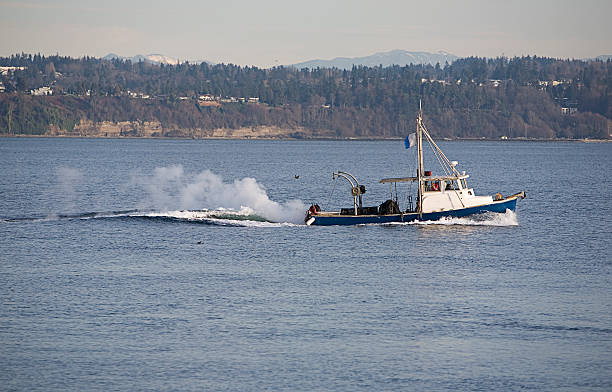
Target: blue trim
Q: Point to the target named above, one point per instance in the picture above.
(345, 220)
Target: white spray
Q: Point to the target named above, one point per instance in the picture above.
(170, 188)
(68, 179)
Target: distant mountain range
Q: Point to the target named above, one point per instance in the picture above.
(394, 57)
(150, 58)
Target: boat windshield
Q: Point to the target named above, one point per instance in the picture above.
(428, 178)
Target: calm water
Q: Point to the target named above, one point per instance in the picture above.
(176, 265)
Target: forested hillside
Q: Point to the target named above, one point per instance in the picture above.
(528, 97)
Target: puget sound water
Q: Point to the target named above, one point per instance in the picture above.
(185, 265)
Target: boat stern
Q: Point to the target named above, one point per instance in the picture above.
(313, 210)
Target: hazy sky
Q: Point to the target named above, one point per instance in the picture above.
(271, 32)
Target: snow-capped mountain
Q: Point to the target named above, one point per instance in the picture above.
(150, 58)
(394, 57)
(161, 59)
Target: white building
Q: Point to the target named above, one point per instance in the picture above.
(569, 110)
(10, 70)
(42, 91)
(229, 100)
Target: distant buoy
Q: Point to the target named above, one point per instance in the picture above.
(199, 242)
(297, 176)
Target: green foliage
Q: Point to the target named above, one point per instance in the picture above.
(473, 97)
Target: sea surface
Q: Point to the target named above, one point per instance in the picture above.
(140, 265)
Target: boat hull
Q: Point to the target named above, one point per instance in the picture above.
(346, 220)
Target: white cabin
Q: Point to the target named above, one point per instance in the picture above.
(450, 193)
(443, 193)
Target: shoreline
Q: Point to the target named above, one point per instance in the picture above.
(352, 138)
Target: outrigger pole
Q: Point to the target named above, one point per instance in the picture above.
(419, 137)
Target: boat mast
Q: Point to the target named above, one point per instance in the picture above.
(419, 139)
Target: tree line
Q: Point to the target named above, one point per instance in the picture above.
(521, 97)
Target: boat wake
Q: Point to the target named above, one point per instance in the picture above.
(245, 217)
(170, 194)
(72, 216)
(507, 218)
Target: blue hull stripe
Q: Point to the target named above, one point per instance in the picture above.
(409, 217)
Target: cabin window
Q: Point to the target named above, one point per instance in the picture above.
(432, 186)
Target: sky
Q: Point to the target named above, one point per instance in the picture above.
(266, 33)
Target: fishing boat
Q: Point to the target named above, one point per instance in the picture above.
(438, 196)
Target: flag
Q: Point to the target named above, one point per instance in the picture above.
(410, 140)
